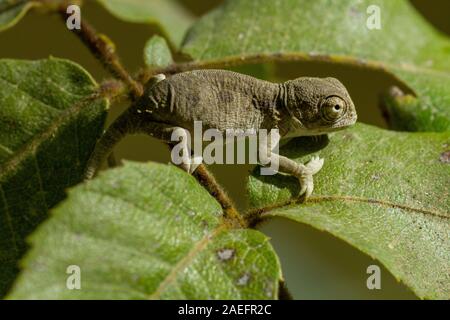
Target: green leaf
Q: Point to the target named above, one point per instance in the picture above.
(169, 15)
(157, 53)
(407, 46)
(384, 192)
(147, 231)
(11, 11)
(48, 128)
(429, 112)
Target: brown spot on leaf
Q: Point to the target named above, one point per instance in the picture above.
(225, 254)
(268, 289)
(445, 157)
(376, 177)
(191, 213)
(243, 280)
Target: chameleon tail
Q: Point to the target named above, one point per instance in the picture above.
(115, 133)
(127, 123)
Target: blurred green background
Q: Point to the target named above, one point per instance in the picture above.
(315, 264)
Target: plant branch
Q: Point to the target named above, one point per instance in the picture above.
(283, 292)
(206, 179)
(104, 50)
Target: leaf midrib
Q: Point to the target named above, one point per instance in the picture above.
(186, 260)
(9, 220)
(266, 211)
(30, 148)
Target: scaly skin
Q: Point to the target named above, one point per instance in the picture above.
(227, 100)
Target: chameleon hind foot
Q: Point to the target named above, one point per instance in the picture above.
(305, 175)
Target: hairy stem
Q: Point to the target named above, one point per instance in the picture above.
(283, 292)
(206, 179)
(104, 50)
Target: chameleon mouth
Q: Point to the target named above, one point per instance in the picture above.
(343, 125)
(346, 122)
(341, 128)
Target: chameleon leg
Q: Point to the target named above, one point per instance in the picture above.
(129, 123)
(181, 153)
(304, 173)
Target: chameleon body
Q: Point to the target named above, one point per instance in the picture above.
(224, 100)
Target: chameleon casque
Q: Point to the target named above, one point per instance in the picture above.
(228, 100)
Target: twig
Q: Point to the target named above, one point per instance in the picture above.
(206, 179)
(283, 292)
(104, 50)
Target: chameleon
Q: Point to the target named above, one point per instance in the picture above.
(223, 100)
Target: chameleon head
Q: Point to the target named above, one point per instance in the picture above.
(318, 105)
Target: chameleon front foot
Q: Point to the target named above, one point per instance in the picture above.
(305, 176)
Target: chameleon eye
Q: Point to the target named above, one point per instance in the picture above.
(333, 108)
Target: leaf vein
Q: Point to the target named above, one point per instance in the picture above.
(9, 219)
(324, 198)
(184, 262)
